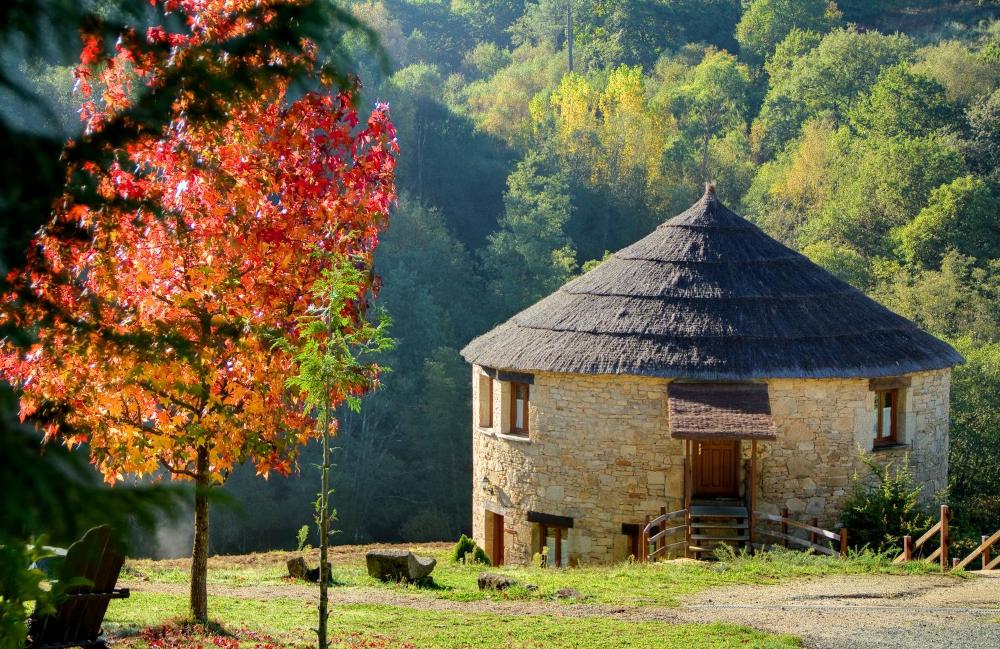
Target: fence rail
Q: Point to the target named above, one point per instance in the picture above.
(658, 539)
(911, 549)
(815, 534)
(655, 538)
(938, 529)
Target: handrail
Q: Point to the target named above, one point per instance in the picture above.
(814, 531)
(941, 553)
(663, 518)
(659, 538)
(984, 547)
(802, 542)
(833, 536)
(664, 532)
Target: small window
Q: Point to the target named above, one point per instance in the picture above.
(553, 542)
(519, 408)
(886, 417)
(485, 401)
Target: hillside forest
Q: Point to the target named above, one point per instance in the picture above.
(539, 136)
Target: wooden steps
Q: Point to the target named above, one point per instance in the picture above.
(714, 525)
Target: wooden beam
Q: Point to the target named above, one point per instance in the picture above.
(753, 492)
(945, 513)
(984, 549)
(889, 383)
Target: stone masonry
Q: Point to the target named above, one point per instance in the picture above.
(599, 452)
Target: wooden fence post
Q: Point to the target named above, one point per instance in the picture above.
(986, 552)
(644, 540)
(843, 542)
(954, 562)
(687, 533)
(813, 537)
(662, 543)
(945, 513)
(784, 525)
(907, 548)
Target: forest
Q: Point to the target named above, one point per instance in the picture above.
(537, 137)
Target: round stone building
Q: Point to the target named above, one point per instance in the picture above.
(704, 364)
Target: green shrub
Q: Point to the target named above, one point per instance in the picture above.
(467, 551)
(879, 515)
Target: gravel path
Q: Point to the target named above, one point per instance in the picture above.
(833, 612)
(862, 611)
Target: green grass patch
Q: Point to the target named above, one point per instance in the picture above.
(291, 621)
(635, 584)
(660, 584)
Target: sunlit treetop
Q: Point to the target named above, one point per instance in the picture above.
(178, 256)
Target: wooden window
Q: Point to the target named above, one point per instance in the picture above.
(519, 408)
(886, 417)
(485, 401)
(553, 541)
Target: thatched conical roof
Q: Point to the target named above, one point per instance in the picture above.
(709, 296)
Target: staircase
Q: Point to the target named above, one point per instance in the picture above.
(715, 524)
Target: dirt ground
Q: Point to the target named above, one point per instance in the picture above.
(862, 611)
(833, 612)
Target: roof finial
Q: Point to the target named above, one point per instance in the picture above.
(710, 188)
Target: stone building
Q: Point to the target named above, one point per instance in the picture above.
(705, 365)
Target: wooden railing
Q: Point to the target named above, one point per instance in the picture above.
(654, 544)
(939, 529)
(816, 535)
(982, 551)
(912, 549)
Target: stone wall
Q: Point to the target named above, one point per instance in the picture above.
(825, 422)
(599, 452)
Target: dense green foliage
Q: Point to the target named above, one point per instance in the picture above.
(863, 134)
(873, 149)
(881, 513)
(468, 551)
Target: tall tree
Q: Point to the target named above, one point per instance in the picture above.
(829, 78)
(961, 216)
(155, 301)
(530, 256)
(902, 103)
(765, 23)
(713, 100)
(329, 344)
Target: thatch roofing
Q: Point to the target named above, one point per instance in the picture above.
(709, 296)
(720, 411)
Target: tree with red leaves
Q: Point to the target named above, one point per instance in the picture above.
(178, 257)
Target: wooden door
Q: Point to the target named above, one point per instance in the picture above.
(496, 552)
(716, 469)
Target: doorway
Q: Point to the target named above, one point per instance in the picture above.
(716, 469)
(494, 537)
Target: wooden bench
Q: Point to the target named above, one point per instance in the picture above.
(91, 567)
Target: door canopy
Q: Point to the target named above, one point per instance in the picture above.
(720, 411)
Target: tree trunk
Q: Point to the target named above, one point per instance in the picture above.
(199, 558)
(569, 34)
(324, 530)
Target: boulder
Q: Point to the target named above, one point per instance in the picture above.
(493, 581)
(299, 569)
(568, 593)
(398, 565)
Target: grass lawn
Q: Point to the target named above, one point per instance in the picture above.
(289, 621)
(657, 584)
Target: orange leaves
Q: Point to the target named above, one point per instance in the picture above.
(158, 307)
